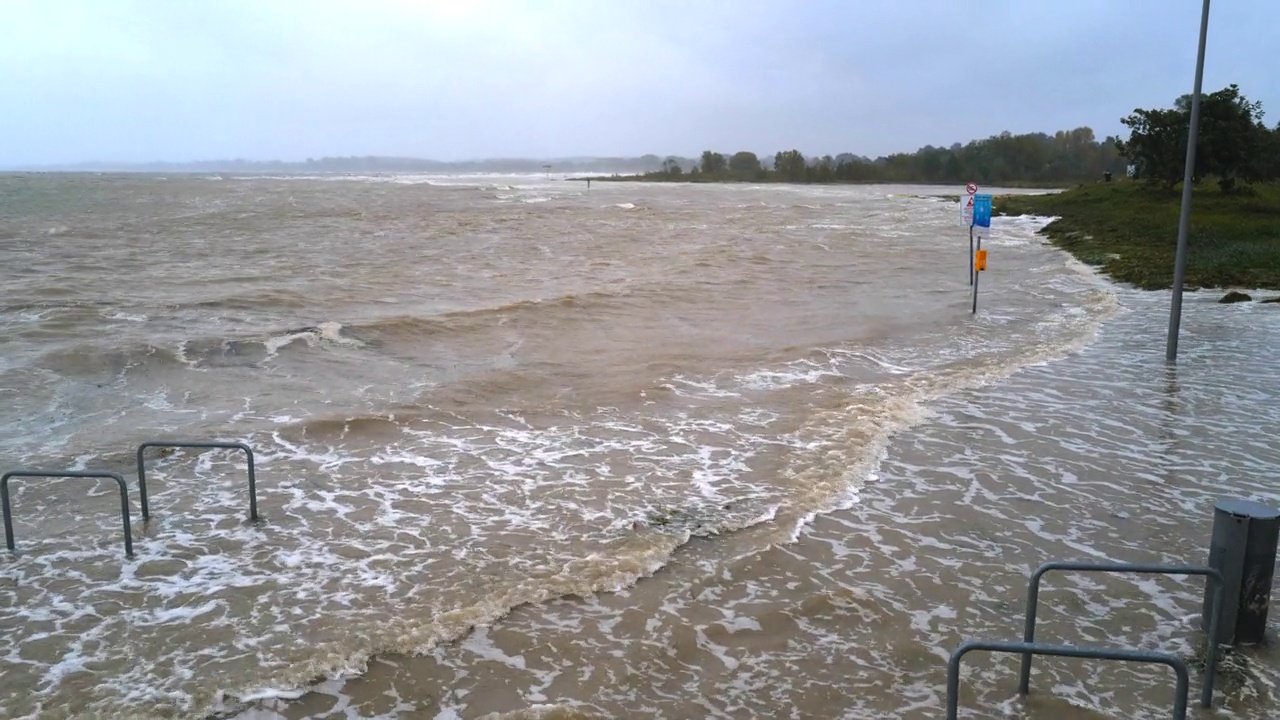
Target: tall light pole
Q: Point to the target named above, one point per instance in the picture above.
(1184, 219)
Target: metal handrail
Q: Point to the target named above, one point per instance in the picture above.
(8, 513)
(1033, 594)
(1029, 648)
(142, 471)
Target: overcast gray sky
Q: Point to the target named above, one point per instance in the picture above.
(142, 80)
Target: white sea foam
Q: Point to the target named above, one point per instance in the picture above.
(325, 332)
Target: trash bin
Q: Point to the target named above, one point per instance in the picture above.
(1243, 549)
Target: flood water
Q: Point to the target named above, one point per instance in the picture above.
(526, 449)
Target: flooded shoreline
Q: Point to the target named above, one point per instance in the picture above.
(856, 618)
(668, 451)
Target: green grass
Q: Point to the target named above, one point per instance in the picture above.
(1129, 231)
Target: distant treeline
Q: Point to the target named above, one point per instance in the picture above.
(501, 165)
(1234, 146)
(1066, 156)
(370, 164)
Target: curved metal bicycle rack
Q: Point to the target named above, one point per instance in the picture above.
(1028, 647)
(8, 513)
(142, 470)
(124, 488)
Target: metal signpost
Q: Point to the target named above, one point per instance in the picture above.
(1184, 217)
(966, 216)
(982, 226)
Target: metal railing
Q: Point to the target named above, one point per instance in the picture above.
(8, 513)
(1028, 648)
(1033, 595)
(142, 471)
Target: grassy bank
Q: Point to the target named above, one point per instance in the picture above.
(1130, 231)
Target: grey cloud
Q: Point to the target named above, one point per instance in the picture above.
(129, 80)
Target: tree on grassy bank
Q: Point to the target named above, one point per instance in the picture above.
(1233, 144)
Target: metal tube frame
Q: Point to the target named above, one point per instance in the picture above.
(8, 512)
(1028, 648)
(142, 471)
(1033, 594)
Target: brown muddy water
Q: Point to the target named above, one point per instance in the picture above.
(529, 450)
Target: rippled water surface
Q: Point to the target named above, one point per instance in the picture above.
(635, 451)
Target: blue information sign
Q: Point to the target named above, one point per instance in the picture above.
(982, 210)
